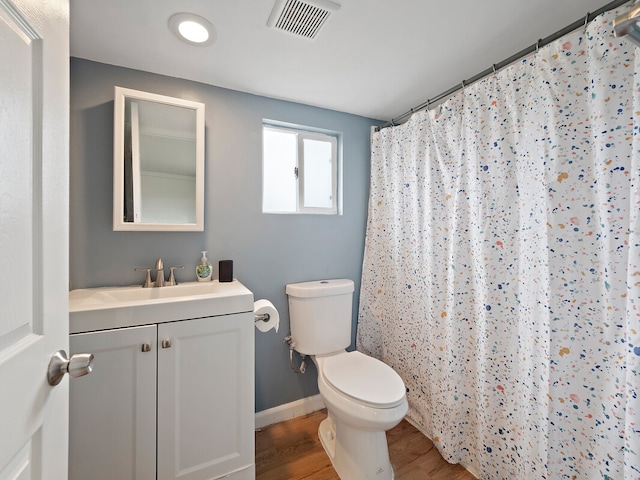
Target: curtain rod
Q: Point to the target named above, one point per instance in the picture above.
(497, 66)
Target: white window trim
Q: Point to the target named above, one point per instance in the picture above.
(302, 133)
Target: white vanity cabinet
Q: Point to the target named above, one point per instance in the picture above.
(206, 398)
(166, 400)
(112, 412)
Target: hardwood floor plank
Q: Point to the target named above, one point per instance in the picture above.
(291, 450)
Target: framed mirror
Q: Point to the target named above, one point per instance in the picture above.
(158, 162)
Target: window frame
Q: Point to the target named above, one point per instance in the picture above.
(300, 200)
(309, 133)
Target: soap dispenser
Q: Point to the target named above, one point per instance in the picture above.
(204, 270)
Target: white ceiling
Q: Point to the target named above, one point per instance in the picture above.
(375, 58)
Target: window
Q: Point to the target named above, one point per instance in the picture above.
(299, 170)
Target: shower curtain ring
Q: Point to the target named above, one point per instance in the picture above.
(494, 69)
(586, 21)
(538, 45)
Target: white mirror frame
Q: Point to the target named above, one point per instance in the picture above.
(121, 94)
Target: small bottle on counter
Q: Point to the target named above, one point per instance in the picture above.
(204, 270)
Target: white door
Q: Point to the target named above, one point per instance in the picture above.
(34, 119)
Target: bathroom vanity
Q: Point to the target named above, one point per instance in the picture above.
(171, 395)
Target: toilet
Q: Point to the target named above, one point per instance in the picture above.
(364, 396)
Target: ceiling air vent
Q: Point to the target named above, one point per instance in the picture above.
(303, 18)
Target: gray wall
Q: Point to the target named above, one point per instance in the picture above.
(268, 251)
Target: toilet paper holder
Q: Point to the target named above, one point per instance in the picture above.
(265, 315)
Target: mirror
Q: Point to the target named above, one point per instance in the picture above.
(158, 162)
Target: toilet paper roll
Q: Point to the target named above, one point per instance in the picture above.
(262, 307)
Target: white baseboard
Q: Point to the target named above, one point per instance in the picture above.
(288, 411)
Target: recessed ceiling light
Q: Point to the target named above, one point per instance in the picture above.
(192, 29)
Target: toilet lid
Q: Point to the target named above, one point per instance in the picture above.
(364, 378)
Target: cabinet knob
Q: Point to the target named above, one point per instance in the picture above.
(146, 347)
(166, 344)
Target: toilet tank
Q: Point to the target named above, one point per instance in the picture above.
(320, 315)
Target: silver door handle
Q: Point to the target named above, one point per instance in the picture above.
(78, 365)
(166, 344)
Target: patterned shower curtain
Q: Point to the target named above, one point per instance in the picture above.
(501, 276)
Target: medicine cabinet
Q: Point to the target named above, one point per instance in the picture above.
(158, 166)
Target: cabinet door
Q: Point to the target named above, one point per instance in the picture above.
(206, 398)
(112, 412)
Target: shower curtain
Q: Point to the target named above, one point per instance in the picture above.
(501, 276)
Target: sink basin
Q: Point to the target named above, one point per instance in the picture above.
(107, 297)
(92, 309)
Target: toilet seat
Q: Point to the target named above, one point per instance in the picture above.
(366, 379)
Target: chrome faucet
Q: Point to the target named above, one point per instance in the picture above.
(160, 281)
(159, 273)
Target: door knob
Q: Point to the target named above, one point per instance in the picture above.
(78, 365)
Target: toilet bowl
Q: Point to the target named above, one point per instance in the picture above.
(364, 396)
(353, 434)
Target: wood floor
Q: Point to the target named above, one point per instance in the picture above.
(291, 450)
